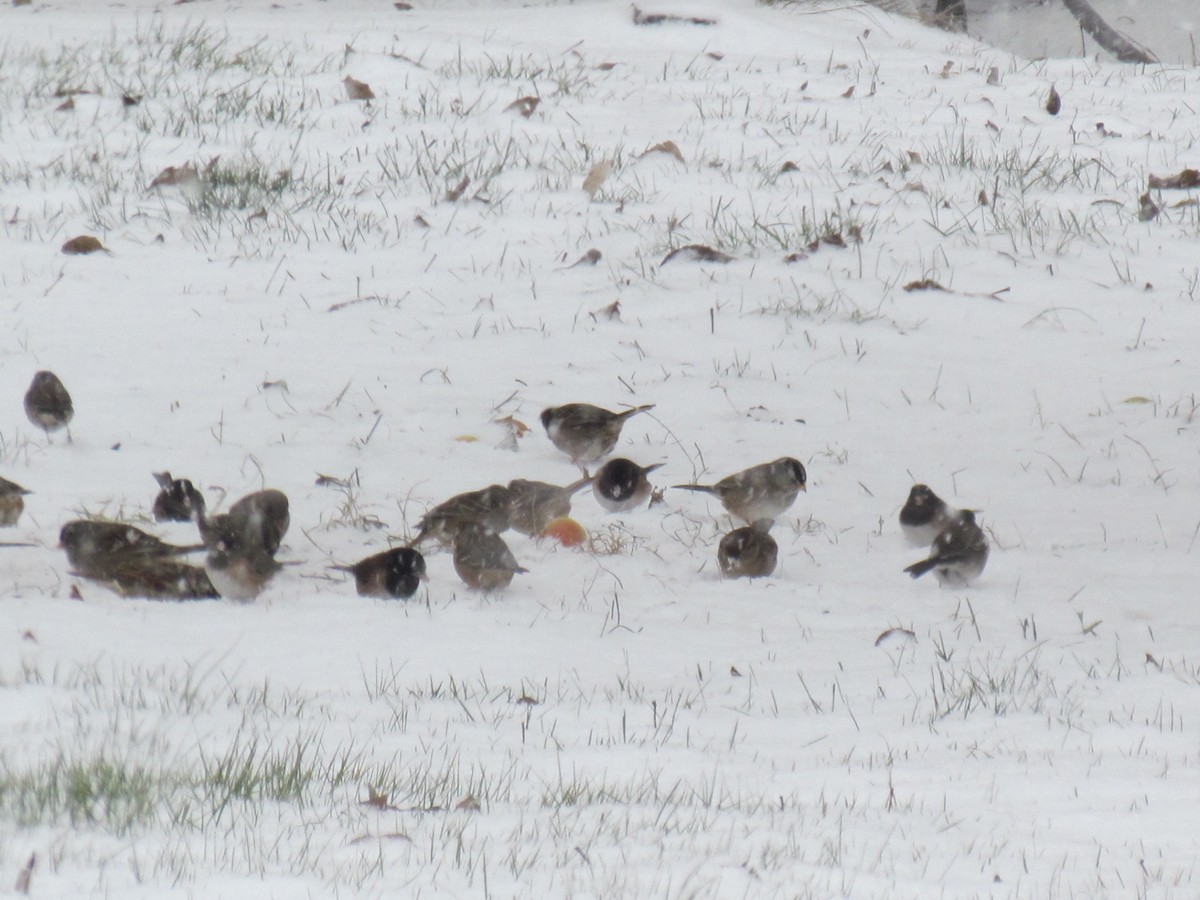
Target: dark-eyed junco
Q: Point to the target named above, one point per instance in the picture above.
(621, 484)
(482, 559)
(393, 573)
(93, 546)
(924, 516)
(584, 432)
(177, 499)
(536, 503)
(748, 552)
(157, 579)
(47, 403)
(490, 507)
(764, 491)
(12, 502)
(958, 554)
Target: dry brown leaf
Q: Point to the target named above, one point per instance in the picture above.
(993, 76)
(789, 166)
(468, 804)
(697, 253)
(378, 800)
(607, 66)
(128, 100)
(914, 157)
(466, 439)
(26, 875)
(358, 90)
(612, 312)
(66, 106)
(983, 197)
(713, 54)
(668, 147)
(83, 244)
(524, 105)
(734, 672)
(457, 191)
(924, 284)
(403, 7)
(595, 177)
(848, 93)
(176, 175)
(1187, 178)
(641, 18)
(74, 593)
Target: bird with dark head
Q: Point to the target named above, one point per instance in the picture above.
(392, 574)
(490, 507)
(535, 503)
(482, 559)
(924, 516)
(958, 554)
(47, 403)
(764, 491)
(584, 432)
(177, 499)
(12, 502)
(749, 551)
(621, 484)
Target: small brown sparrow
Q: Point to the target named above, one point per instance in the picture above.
(395, 573)
(178, 499)
(761, 492)
(240, 574)
(924, 516)
(242, 543)
(12, 502)
(748, 552)
(584, 432)
(535, 503)
(47, 403)
(157, 579)
(621, 485)
(490, 507)
(254, 524)
(958, 554)
(482, 559)
(94, 546)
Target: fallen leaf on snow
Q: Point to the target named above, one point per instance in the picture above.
(595, 177)
(358, 90)
(697, 253)
(83, 244)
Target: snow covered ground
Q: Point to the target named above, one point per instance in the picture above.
(620, 722)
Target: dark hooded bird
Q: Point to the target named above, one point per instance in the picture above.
(47, 403)
(924, 516)
(621, 484)
(958, 554)
(749, 551)
(177, 499)
(764, 491)
(392, 574)
(584, 432)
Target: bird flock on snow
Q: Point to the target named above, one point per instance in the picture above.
(240, 544)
